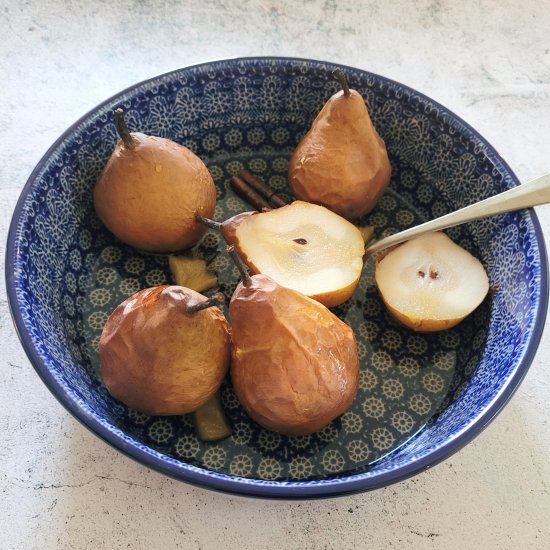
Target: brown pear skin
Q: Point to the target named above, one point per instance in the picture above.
(161, 354)
(150, 192)
(341, 162)
(294, 364)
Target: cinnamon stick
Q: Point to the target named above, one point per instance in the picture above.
(248, 194)
(262, 188)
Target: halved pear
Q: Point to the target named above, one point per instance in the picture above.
(430, 283)
(302, 246)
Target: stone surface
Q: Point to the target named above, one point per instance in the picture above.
(60, 486)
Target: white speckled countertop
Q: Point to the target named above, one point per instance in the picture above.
(60, 486)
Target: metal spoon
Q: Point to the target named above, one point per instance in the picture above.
(529, 194)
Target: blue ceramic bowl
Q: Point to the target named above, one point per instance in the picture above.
(421, 396)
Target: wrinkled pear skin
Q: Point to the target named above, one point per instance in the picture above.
(149, 196)
(159, 359)
(294, 363)
(341, 162)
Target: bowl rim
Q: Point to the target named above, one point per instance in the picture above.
(289, 490)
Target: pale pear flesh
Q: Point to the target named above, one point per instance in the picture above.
(304, 247)
(431, 283)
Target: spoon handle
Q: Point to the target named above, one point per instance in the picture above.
(529, 194)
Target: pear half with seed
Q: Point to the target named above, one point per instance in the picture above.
(430, 283)
(302, 246)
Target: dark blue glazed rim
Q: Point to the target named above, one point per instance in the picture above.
(371, 479)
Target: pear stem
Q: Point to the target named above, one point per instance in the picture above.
(241, 266)
(122, 129)
(208, 222)
(215, 300)
(248, 193)
(339, 75)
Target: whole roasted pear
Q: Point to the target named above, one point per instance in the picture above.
(294, 364)
(165, 350)
(341, 162)
(151, 190)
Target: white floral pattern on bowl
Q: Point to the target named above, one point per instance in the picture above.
(421, 397)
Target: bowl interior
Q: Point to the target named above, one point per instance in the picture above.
(418, 392)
